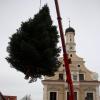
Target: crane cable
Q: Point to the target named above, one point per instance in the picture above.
(40, 5)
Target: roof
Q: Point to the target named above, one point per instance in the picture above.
(2, 97)
(70, 29)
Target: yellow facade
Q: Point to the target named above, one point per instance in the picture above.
(85, 82)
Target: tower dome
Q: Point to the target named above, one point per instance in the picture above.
(70, 41)
(70, 29)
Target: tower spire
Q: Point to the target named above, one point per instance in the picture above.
(70, 41)
(69, 22)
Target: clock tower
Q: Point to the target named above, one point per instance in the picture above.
(70, 42)
(85, 82)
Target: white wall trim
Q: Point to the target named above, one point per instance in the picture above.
(45, 92)
(97, 93)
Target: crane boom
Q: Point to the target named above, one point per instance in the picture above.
(65, 55)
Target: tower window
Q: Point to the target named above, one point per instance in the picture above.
(70, 55)
(53, 96)
(61, 77)
(78, 65)
(71, 47)
(63, 65)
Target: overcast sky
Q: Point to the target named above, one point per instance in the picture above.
(85, 19)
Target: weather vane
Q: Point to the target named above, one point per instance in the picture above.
(69, 21)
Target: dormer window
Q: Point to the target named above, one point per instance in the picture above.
(81, 77)
(61, 77)
(74, 77)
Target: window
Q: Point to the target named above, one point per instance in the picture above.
(61, 77)
(70, 55)
(71, 48)
(81, 77)
(53, 96)
(74, 77)
(89, 96)
(78, 65)
(68, 96)
(75, 96)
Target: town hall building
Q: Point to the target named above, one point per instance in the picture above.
(85, 82)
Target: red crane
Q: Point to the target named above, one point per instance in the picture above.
(65, 55)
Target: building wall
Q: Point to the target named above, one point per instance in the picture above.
(10, 97)
(89, 84)
(57, 88)
(1, 96)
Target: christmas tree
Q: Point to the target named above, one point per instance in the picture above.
(33, 48)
